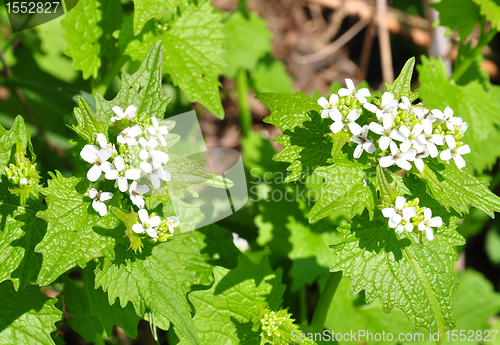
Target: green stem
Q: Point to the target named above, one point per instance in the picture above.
(108, 78)
(483, 42)
(325, 300)
(303, 306)
(243, 104)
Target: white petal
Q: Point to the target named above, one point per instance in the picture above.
(134, 131)
(133, 187)
(370, 107)
(143, 142)
(429, 234)
(152, 143)
(354, 128)
(427, 213)
(118, 111)
(130, 111)
(144, 154)
(121, 140)
(394, 221)
(409, 212)
(106, 166)
(422, 226)
(463, 150)
(142, 189)
(165, 176)
(335, 115)
(438, 139)
(369, 146)
(394, 148)
(364, 92)
(455, 121)
(427, 126)
(438, 114)
(400, 229)
(89, 153)
(155, 221)
(403, 164)
(384, 142)
(94, 173)
(358, 151)
(336, 126)
(376, 128)
(138, 228)
(155, 181)
(356, 139)
(400, 202)
(143, 215)
(417, 129)
(324, 114)
(151, 232)
(388, 212)
(408, 155)
(146, 167)
(405, 131)
(137, 200)
(100, 207)
(387, 120)
(408, 226)
(433, 151)
(101, 140)
(323, 102)
(160, 156)
(350, 85)
(387, 161)
(105, 196)
(405, 146)
(445, 155)
(333, 99)
(361, 98)
(133, 174)
(397, 135)
(436, 222)
(119, 163)
(154, 121)
(93, 193)
(386, 98)
(353, 115)
(163, 142)
(111, 175)
(122, 184)
(419, 164)
(344, 92)
(459, 161)
(450, 140)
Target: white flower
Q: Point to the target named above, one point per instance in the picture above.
(400, 158)
(240, 243)
(158, 131)
(364, 144)
(159, 157)
(431, 140)
(418, 109)
(172, 223)
(454, 152)
(102, 143)
(349, 121)
(399, 216)
(385, 130)
(155, 174)
(129, 113)
(428, 223)
(127, 136)
(360, 95)
(419, 163)
(148, 224)
(122, 174)
(447, 116)
(388, 106)
(99, 199)
(136, 193)
(409, 138)
(99, 159)
(329, 106)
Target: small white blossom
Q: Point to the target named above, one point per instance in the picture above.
(431, 140)
(401, 159)
(148, 224)
(127, 136)
(409, 138)
(418, 109)
(447, 116)
(136, 193)
(385, 130)
(364, 144)
(428, 223)
(329, 106)
(454, 152)
(360, 95)
(419, 163)
(155, 174)
(158, 131)
(99, 159)
(122, 174)
(99, 199)
(240, 243)
(148, 151)
(129, 113)
(399, 216)
(388, 106)
(172, 223)
(349, 121)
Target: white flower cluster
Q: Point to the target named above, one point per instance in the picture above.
(409, 132)
(138, 156)
(405, 216)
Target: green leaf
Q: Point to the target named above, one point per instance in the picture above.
(108, 315)
(462, 15)
(247, 41)
(345, 190)
(419, 279)
(306, 139)
(492, 243)
(88, 123)
(76, 303)
(144, 10)
(142, 89)
(224, 313)
(470, 102)
(28, 317)
(9, 139)
(156, 280)
(74, 226)
(21, 231)
(491, 10)
(271, 76)
(194, 44)
(457, 188)
(474, 71)
(86, 29)
(402, 85)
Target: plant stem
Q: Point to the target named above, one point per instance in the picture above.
(303, 306)
(108, 78)
(243, 104)
(483, 41)
(325, 300)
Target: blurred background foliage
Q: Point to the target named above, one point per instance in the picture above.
(281, 46)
